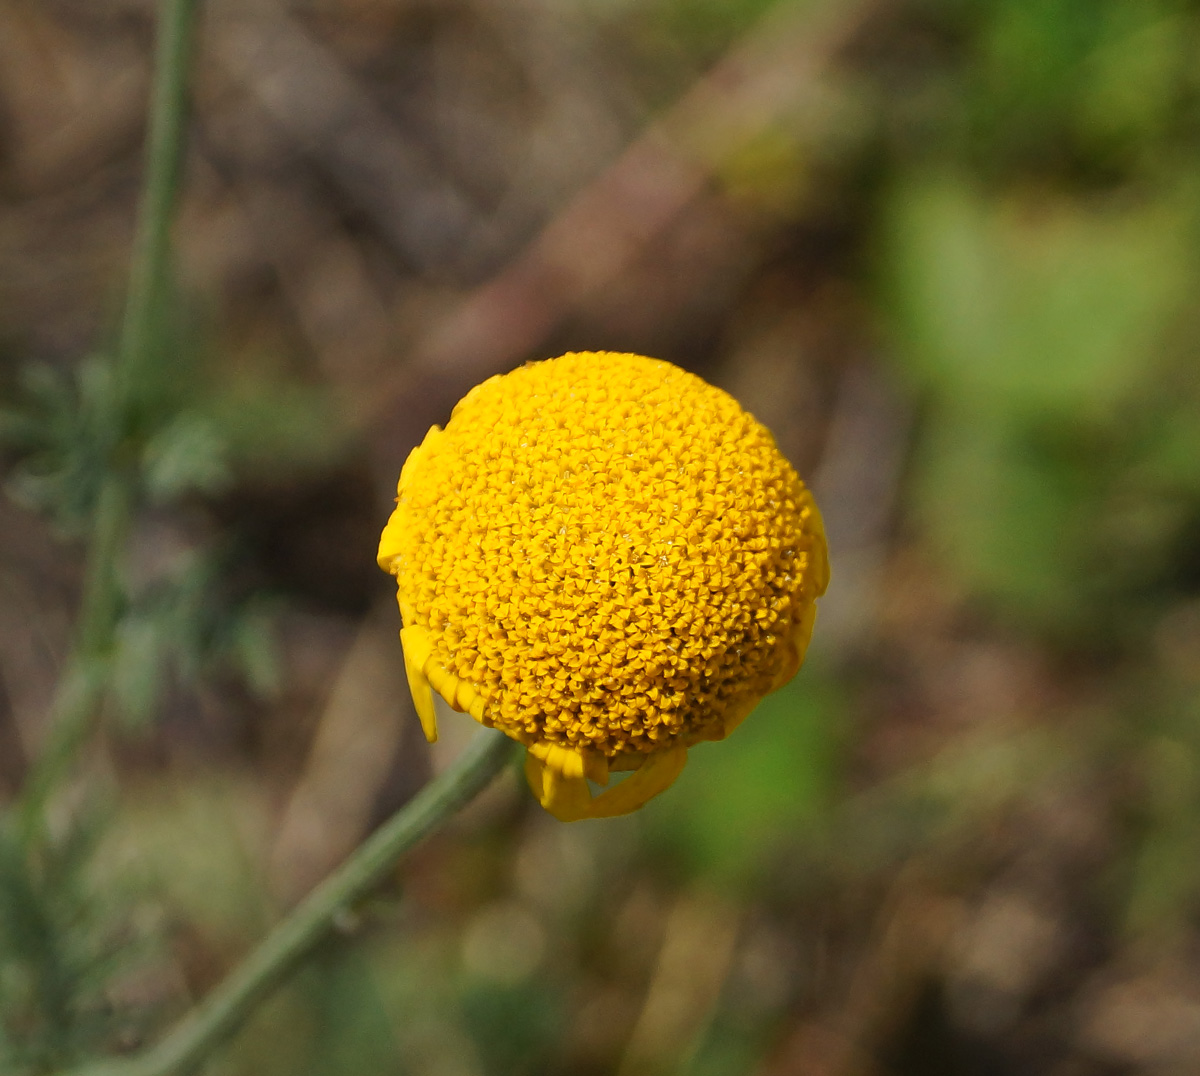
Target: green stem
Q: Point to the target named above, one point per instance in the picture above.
(216, 1018)
(81, 687)
(150, 267)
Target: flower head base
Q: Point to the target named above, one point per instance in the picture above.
(610, 561)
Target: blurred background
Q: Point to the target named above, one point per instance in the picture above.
(946, 251)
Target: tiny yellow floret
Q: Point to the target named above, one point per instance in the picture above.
(609, 560)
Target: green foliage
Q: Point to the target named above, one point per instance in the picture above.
(188, 454)
(62, 941)
(147, 425)
(1134, 81)
(1161, 887)
(729, 1049)
(186, 622)
(738, 802)
(268, 427)
(63, 435)
(199, 437)
(1034, 305)
(1041, 333)
(1106, 75)
(1165, 876)
(355, 1029)
(1091, 92)
(181, 436)
(513, 1026)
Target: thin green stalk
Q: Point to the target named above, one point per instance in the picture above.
(224, 1011)
(81, 687)
(150, 268)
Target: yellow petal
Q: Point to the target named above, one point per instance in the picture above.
(804, 631)
(595, 767)
(655, 775)
(573, 761)
(557, 777)
(535, 775)
(390, 542)
(820, 545)
(415, 641)
(738, 713)
(415, 456)
(796, 648)
(567, 798)
(465, 697)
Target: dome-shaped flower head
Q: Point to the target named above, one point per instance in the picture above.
(610, 561)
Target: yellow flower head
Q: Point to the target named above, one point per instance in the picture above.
(607, 559)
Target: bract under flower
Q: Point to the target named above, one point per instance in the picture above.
(609, 560)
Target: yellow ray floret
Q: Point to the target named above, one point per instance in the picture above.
(610, 561)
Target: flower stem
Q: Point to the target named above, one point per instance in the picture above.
(81, 684)
(81, 687)
(224, 1011)
(150, 268)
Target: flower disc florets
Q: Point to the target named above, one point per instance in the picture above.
(604, 557)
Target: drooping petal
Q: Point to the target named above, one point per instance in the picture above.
(559, 782)
(572, 761)
(459, 694)
(415, 641)
(655, 775)
(566, 797)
